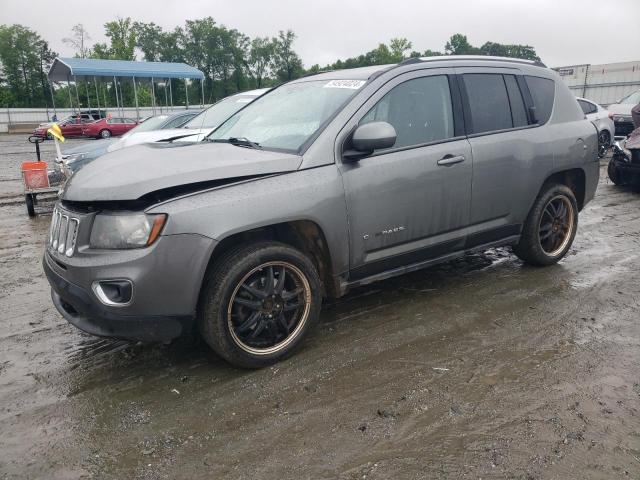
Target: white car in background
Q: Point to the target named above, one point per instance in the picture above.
(198, 127)
(621, 113)
(601, 118)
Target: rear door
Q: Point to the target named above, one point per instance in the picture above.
(408, 203)
(116, 126)
(507, 153)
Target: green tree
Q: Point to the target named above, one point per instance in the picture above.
(398, 47)
(122, 36)
(260, 59)
(24, 59)
(459, 45)
(149, 40)
(287, 64)
(515, 51)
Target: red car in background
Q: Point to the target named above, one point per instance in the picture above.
(70, 127)
(108, 127)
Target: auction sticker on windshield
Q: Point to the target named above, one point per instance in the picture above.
(352, 84)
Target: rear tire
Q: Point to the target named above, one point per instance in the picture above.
(258, 303)
(105, 133)
(550, 227)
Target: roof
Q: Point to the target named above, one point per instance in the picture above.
(366, 73)
(65, 68)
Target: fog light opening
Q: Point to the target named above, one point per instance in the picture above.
(114, 293)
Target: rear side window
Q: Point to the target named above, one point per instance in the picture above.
(543, 91)
(518, 111)
(587, 107)
(420, 110)
(488, 102)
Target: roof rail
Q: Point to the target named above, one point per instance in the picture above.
(482, 58)
(311, 74)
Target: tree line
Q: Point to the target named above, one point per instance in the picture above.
(230, 60)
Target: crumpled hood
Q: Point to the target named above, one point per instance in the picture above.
(130, 173)
(137, 138)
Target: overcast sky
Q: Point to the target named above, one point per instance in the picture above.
(563, 32)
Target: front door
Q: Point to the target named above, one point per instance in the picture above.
(408, 203)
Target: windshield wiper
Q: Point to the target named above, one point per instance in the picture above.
(238, 142)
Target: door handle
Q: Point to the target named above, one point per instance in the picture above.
(449, 160)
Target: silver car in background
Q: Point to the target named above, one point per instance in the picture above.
(198, 127)
(601, 118)
(621, 113)
(192, 129)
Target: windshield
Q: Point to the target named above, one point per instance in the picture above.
(290, 115)
(633, 98)
(219, 112)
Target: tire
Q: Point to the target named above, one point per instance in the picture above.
(614, 173)
(604, 142)
(545, 238)
(29, 200)
(241, 321)
(105, 133)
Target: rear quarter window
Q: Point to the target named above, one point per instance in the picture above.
(543, 92)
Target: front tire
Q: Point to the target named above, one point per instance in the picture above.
(615, 174)
(604, 142)
(258, 303)
(105, 133)
(29, 199)
(550, 227)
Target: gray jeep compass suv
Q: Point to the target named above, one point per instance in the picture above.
(327, 182)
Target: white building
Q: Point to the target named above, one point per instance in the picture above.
(604, 84)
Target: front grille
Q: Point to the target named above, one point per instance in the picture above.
(63, 232)
(623, 128)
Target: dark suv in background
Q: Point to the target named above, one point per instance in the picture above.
(324, 183)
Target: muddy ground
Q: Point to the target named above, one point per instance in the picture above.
(479, 368)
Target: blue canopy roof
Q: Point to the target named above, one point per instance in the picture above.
(64, 69)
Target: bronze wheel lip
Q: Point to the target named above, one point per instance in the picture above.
(301, 322)
(569, 224)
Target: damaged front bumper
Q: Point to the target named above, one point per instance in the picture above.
(165, 283)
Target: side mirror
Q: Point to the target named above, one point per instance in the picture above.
(369, 137)
(533, 116)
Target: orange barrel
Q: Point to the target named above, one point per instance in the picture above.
(35, 175)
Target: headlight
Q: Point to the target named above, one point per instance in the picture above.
(125, 230)
(622, 118)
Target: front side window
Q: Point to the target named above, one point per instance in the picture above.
(289, 116)
(488, 102)
(419, 109)
(543, 92)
